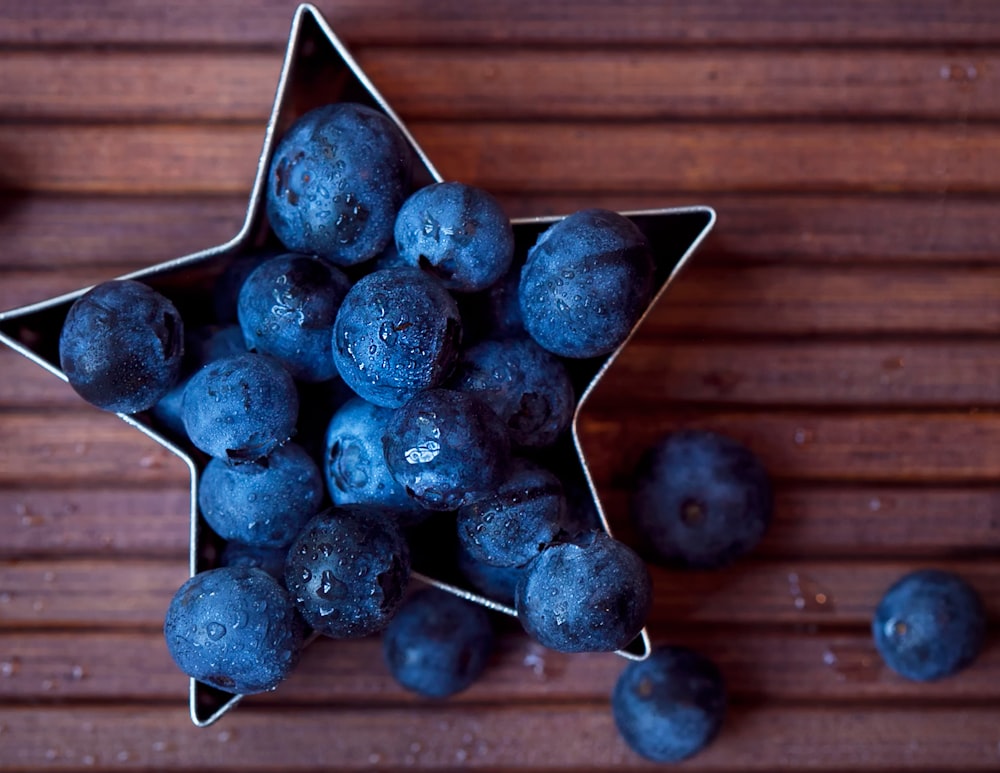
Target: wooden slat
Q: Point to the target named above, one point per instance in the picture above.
(63, 231)
(746, 300)
(662, 372)
(127, 522)
(675, 157)
(773, 666)
(645, 22)
(69, 447)
(512, 83)
(521, 738)
(122, 592)
(815, 445)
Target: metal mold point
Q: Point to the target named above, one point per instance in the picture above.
(319, 70)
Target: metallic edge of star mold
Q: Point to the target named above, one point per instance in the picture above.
(308, 30)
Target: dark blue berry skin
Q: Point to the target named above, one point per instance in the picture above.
(670, 706)
(700, 500)
(587, 281)
(121, 346)
(458, 233)
(930, 624)
(240, 408)
(347, 571)
(269, 560)
(264, 504)
(437, 644)
(589, 595)
(354, 463)
(398, 331)
(287, 308)
(234, 628)
(447, 449)
(528, 388)
(511, 526)
(337, 181)
(497, 583)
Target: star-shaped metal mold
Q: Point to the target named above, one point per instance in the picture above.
(318, 70)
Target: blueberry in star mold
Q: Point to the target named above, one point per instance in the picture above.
(456, 232)
(700, 499)
(347, 571)
(669, 706)
(437, 644)
(398, 331)
(121, 346)
(497, 583)
(261, 503)
(446, 448)
(587, 281)
(240, 408)
(234, 628)
(522, 517)
(286, 309)
(590, 593)
(269, 560)
(354, 464)
(930, 624)
(337, 180)
(528, 388)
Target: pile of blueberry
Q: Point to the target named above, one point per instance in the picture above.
(393, 389)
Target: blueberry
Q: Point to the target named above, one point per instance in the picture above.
(269, 560)
(447, 449)
(521, 518)
(121, 346)
(591, 594)
(264, 504)
(234, 628)
(398, 331)
(286, 309)
(700, 499)
(529, 389)
(587, 281)
(495, 312)
(497, 583)
(669, 706)
(354, 463)
(240, 408)
(456, 232)
(929, 624)
(337, 181)
(437, 644)
(226, 290)
(347, 571)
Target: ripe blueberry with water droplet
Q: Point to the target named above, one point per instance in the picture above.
(700, 499)
(121, 346)
(446, 448)
(265, 503)
(437, 644)
(587, 281)
(457, 233)
(929, 624)
(286, 309)
(669, 706)
(347, 571)
(234, 628)
(336, 182)
(398, 331)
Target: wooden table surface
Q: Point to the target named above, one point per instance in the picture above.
(842, 321)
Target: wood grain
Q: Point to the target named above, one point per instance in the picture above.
(505, 22)
(521, 738)
(694, 158)
(466, 84)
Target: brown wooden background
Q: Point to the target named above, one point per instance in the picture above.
(842, 320)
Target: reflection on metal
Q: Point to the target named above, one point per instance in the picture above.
(319, 70)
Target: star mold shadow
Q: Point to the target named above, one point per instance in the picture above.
(319, 70)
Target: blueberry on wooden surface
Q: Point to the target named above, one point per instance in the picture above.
(121, 346)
